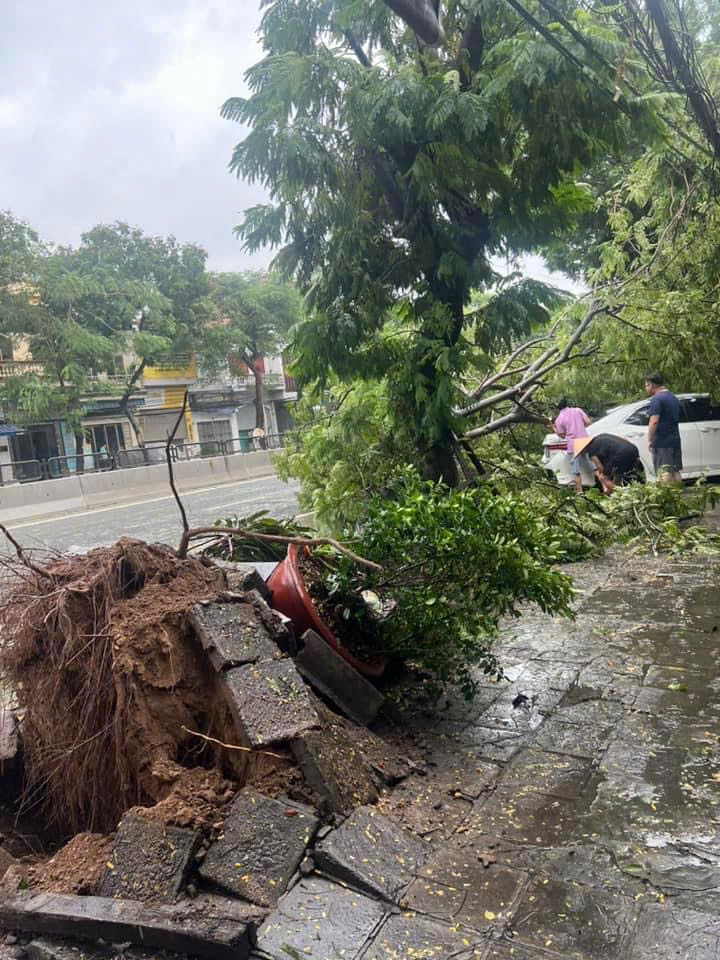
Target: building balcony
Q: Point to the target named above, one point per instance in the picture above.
(18, 368)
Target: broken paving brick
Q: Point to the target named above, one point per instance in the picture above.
(336, 679)
(334, 769)
(319, 920)
(149, 861)
(269, 702)
(160, 926)
(370, 852)
(243, 577)
(409, 935)
(232, 634)
(262, 842)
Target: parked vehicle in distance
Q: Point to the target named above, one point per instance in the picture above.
(699, 436)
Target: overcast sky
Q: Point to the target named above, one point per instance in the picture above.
(110, 110)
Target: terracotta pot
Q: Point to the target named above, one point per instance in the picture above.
(290, 597)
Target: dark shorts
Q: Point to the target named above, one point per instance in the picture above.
(667, 458)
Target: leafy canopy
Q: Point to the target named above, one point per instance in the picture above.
(396, 172)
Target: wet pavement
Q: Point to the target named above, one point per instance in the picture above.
(570, 811)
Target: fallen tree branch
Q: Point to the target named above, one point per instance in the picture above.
(171, 471)
(196, 532)
(233, 746)
(23, 557)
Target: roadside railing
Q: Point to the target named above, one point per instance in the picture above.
(21, 471)
(24, 471)
(79, 463)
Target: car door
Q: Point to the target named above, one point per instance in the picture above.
(692, 411)
(634, 428)
(709, 429)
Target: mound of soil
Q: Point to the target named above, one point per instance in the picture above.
(76, 868)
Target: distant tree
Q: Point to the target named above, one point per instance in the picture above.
(252, 314)
(152, 297)
(397, 172)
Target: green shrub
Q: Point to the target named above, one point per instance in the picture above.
(454, 562)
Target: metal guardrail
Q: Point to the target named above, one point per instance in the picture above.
(21, 471)
(24, 471)
(79, 463)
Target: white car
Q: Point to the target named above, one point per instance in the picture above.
(699, 436)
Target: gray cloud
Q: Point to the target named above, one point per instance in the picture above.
(111, 111)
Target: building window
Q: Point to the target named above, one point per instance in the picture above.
(109, 436)
(214, 430)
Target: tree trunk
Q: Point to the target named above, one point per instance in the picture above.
(259, 397)
(125, 403)
(79, 453)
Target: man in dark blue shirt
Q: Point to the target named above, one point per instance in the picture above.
(663, 430)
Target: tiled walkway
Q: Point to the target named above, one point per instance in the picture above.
(571, 812)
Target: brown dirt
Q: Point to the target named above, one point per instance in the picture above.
(76, 868)
(107, 673)
(193, 798)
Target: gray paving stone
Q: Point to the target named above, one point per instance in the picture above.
(410, 935)
(459, 888)
(370, 852)
(426, 806)
(320, 920)
(269, 702)
(521, 816)
(149, 861)
(566, 917)
(232, 634)
(262, 843)
(492, 745)
(333, 676)
(334, 768)
(173, 927)
(45, 949)
(551, 773)
(664, 932)
(573, 739)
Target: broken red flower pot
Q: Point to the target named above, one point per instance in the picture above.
(290, 596)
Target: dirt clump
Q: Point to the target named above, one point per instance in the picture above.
(76, 868)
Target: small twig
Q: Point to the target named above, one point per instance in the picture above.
(22, 556)
(234, 746)
(189, 535)
(171, 472)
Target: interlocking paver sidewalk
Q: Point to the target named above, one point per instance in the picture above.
(573, 810)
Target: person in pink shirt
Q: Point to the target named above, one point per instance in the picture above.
(571, 423)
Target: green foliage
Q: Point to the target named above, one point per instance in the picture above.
(658, 517)
(120, 293)
(253, 313)
(250, 549)
(343, 452)
(397, 173)
(454, 562)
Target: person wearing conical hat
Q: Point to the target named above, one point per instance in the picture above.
(614, 459)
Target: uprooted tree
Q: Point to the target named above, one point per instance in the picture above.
(396, 174)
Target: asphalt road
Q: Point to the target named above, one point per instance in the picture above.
(156, 519)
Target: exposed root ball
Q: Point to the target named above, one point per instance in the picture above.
(107, 673)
